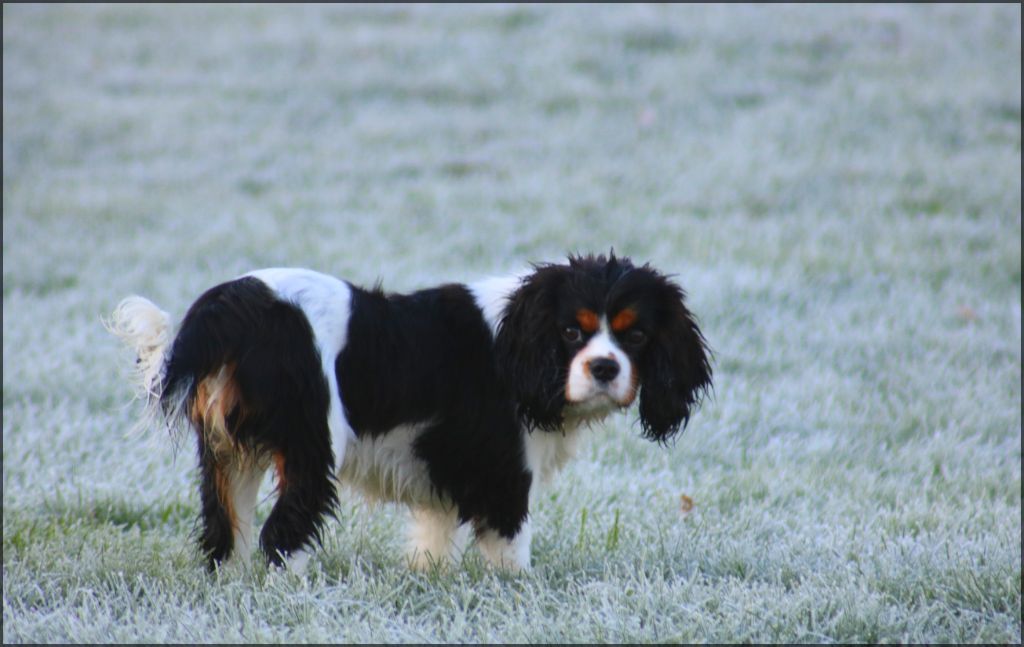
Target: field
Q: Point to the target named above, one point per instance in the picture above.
(838, 188)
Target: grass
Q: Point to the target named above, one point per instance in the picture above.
(837, 188)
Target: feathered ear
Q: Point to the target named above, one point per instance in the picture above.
(675, 372)
(529, 350)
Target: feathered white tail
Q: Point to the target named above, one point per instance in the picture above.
(146, 329)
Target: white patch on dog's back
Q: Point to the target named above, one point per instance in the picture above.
(492, 294)
(327, 304)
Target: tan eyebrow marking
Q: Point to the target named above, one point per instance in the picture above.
(587, 320)
(624, 319)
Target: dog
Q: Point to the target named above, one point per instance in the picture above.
(457, 401)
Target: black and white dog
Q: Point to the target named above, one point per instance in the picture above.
(456, 401)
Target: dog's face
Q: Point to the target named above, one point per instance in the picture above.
(578, 341)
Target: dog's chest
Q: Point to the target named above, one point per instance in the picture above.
(547, 452)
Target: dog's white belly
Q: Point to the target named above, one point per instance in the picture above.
(385, 468)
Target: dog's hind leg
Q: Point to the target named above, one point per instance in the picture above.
(240, 435)
(217, 514)
(295, 433)
(243, 488)
(306, 497)
(226, 489)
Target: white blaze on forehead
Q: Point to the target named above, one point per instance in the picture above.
(582, 386)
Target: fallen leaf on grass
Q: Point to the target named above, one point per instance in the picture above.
(967, 313)
(685, 504)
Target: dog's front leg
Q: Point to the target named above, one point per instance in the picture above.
(507, 553)
(436, 538)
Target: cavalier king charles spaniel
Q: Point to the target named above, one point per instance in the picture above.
(456, 401)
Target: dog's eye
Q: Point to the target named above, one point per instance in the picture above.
(636, 337)
(571, 334)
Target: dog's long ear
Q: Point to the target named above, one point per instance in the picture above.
(675, 371)
(529, 350)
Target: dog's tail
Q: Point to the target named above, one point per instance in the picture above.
(147, 331)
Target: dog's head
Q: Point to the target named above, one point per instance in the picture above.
(580, 340)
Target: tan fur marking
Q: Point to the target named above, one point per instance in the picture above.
(222, 481)
(634, 384)
(587, 320)
(216, 397)
(624, 320)
(279, 464)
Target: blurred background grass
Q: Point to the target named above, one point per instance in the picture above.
(837, 188)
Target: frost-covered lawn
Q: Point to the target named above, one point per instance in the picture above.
(838, 188)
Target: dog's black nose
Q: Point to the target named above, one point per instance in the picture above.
(604, 369)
